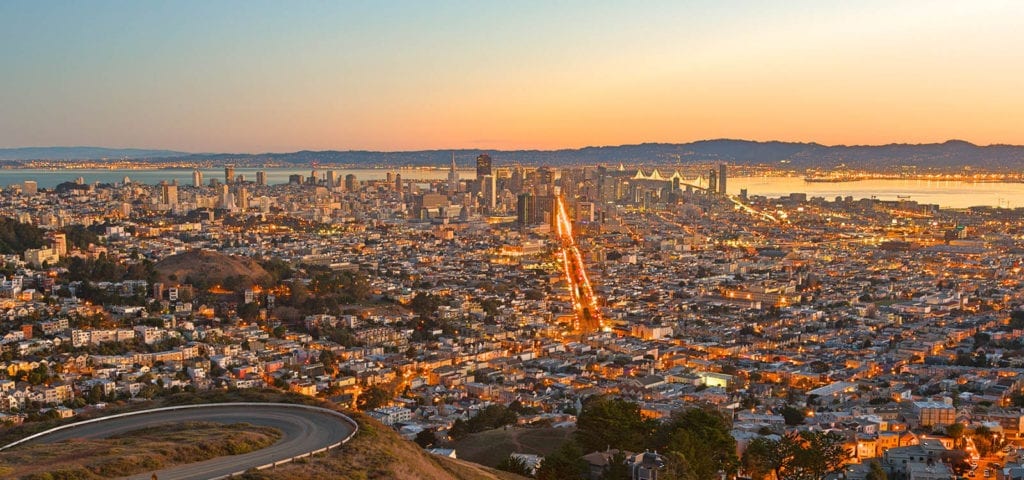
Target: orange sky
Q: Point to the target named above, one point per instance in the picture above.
(419, 75)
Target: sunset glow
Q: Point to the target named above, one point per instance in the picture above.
(254, 77)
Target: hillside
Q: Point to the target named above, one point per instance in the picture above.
(209, 267)
(83, 153)
(492, 446)
(134, 452)
(377, 452)
(950, 155)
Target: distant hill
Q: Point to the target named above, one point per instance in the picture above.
(953, 154)
(83, 153)
(209, 267)
(950, 155)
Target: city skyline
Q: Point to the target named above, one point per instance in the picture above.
(406, 76)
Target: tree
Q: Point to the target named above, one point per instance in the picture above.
(373, 397)
(515, 465)
(763, 457)
(491, 416)
(876, 472)
(792, 415)
(617, 468)
(606, 422)
(425, 304)
(566, 463)
(425, 438)
(676, 468)
(985, 440)
(814, 454)
(1017, 319)
(956, 432)
(702, 438)
(807, 455)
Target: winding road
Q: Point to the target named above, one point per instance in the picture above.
(304, 430)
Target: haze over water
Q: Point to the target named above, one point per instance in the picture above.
(947, 194)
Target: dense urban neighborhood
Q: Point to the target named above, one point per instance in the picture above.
(677, 331)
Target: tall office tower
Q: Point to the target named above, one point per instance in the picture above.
(332, 179)
(390, 178)
(261, 177)
(197, 178)
(398, 182)
(168, 193)
(489, 189)
(712, 182)
(602, 182)
(453, 176)
(350, 182)
(30, 187)
(483, 166)
(229, 174)
(546, 177)
(721, 179)
(243, 198)
(224, 195)
(524, 209)
(515, 184)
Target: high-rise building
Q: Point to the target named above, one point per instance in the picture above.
(224, 196)
(489, 190)
(332, 179)
(515, 184)
(261, 178)
(721, 179)
(350, 182)
(712, 182)
(197, 178)
(585, 212)
(229, 174)
(453, 176)
(398, 182)
(483, 166)
(30, 187)
(524, 209)
(243, 198)
(169, 193)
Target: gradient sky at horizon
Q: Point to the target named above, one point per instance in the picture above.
(260, 76)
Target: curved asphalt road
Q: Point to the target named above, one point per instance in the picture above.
(303, 431)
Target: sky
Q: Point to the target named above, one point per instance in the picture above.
(262, 76)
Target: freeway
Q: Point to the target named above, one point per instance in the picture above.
(304, 430)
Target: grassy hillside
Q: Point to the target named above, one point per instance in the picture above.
(490, 447)
(377, 452)
(195, 266)
(135, 452)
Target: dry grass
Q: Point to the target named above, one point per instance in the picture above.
(378, 453)
(490, 447)
(135, 452)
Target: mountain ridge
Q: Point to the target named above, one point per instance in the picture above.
(951, 154)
